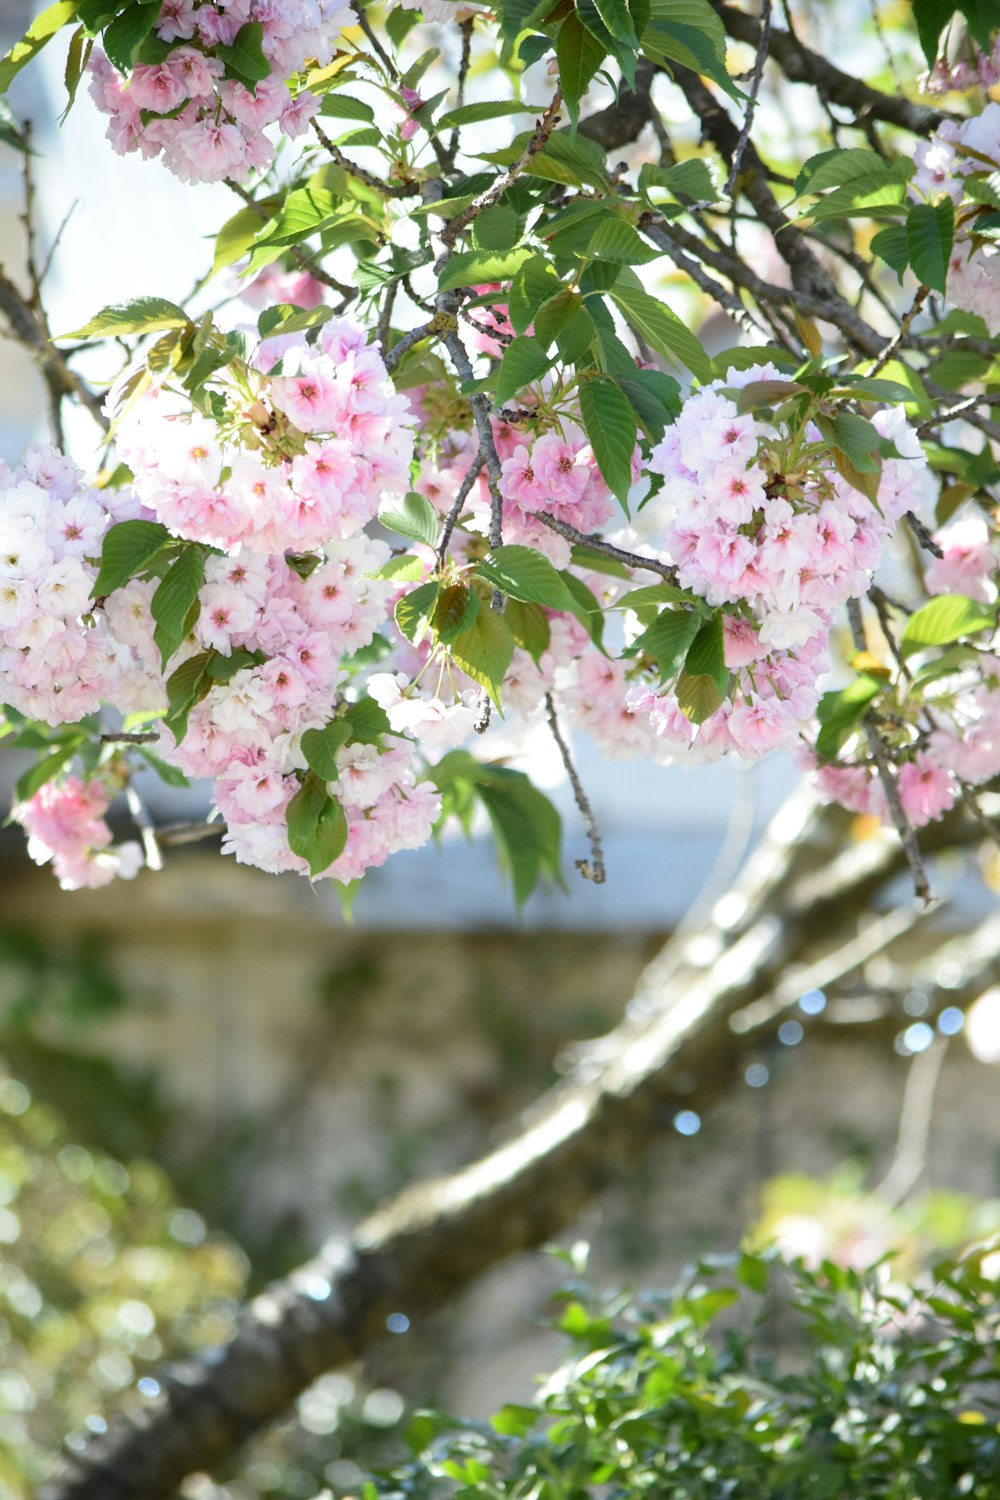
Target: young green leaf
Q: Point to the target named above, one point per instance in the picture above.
(579, 55)
(367, 721)
(616, 240)
(534, 284)
(175, 602)
(317, 825)
(662, 329)
(943, 620)
(129, 546)
(470, 267)
(142, 315)
(244, 60)
(413, 610)
(416, 518)
(484, 651)
(41, 31)
(698, 697)
(320, 746)
(930, 232)
(668, 639)
(610, 423)
(525, 574)
(707, 657)
(524, 360)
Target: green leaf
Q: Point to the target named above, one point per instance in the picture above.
(707, 657)
(611, 427)
(185, 687)
(175, 599)
(662, 329)
(656, 399)
(945, 619)
(525, 574)
(668, 639)
(456, 608)
(486, 109)
(691, 179)
(618, 19)
(129, 546)
(404, 568)
(530, 627)
(238, 234)
(617, 241)
(698, 697)
(44, 770)
(653, 595)
(9, 132)
(857, 438)
(534, 284)
(41, 31)
(473, 267)
(484, 651)
(245, 60)
(883, 188)
(931, 17)
(303, 212)
(527, 828)
(141, 315)
(524, 360)
(320, 746)
(317, 825)
(499, 228)
(344, 107)
(579, 55)
(690, 33)
(892, 245)
(413, 611)
(930, 233)
(126, 32)
(840, 712)
(834, 168)
(588, 611)
(77, 58)
(168, 774)
(367, 721)
(415, 518)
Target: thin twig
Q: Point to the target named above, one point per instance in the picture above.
(915, 1119)
(597, 543)
(131, 737)
(763, 46)
(543, 129)
(451, 518)
(896, 342)
(593, 868)
(922, 534)
(876, 746)
(408, 341)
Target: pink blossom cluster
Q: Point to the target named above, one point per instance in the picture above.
(65, 823)
(59, 656)
(957, 730)
(307, 459)
(246, 734)
(556, 474)
(952, 152)
(764, 525)
(205, 126)
(981, 71)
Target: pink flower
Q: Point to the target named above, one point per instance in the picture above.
(926, 791)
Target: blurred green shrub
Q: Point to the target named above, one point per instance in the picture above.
(759, 1379)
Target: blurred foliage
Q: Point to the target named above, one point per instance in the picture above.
(70, 985)
(102, 1277)
(840, 1219)
(758, 1378)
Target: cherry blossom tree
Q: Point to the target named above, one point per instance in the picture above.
(624, 366)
